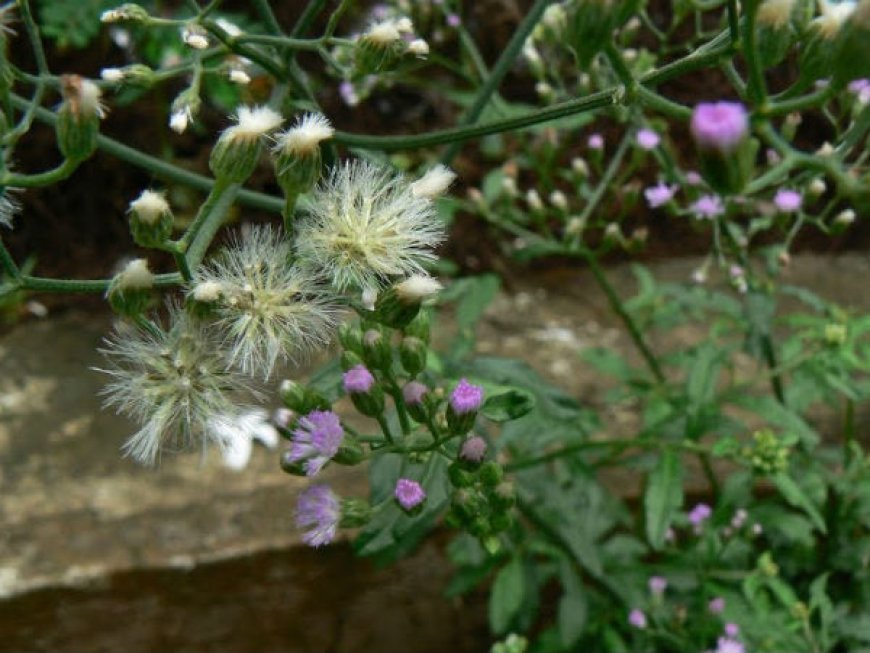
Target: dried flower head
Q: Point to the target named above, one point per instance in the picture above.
(252, 123)
(150, 206)
(82, 97)
(171, 380)
(267, 310)
(364, 226)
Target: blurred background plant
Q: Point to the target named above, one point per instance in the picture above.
(738, 130)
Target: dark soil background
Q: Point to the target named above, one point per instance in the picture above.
(78, 228)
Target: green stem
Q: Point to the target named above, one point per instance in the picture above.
(712, 481)
(41, 65)
(627, 320)
(663, 105)
(385, 428)
(213, 213)
(499, 70)
(42, 284)
(307, 18)
(234, 45)
(733, 22)
(848, 431)
(40, 179)
(802, 103)
(8, 263)
(756, 87)
(396, 394)
(855, 132)
(265, 12)
(336, 16)
(769, 354)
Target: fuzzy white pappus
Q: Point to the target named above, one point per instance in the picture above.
(305, 136)
(417, 287)
(150, 206)
(135, 276)
(267, 310)
(253, 122)
(435, 182)
(364, 225)
(171, 380)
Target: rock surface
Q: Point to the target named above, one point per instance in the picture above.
(98, 553)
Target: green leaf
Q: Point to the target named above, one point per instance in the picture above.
(72, 23)
(508, 406)
(796, 497)
(506, 597)
(573, 608)
(663, 496)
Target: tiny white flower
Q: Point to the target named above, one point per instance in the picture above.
(845, 217)
(239, 77)
(417, 287)
(559, 200)
(252, 123)
(305, 136)
(150, 206)
(817, 186)
(435, 182)
(112, 74)
(238, 432)
(579, 166)
(194, 37)
(534, 200)
(418, 47)
(180, 119)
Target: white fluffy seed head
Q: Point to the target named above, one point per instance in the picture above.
(207, 291)
(135, 276)
(305, 136)
(434, 183)
(774, 13)
(252, 123)
(364, 226)
(267, 310)
(417, 288)
(82, 97)
(171, 380)
(180, 119)
(150, 206)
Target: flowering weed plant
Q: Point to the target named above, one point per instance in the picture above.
(772, 555)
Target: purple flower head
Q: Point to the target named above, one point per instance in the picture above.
(647, 139)
(861, 89)
(659, 194)
(409, 494)
(413, 393)
(595, 142)
(318, 511)
(473, 449)
(728, 645)
(708, 207)
(787, 200)
(716, 605)
(732, 630)
(453, 20)
(700, 514)
(719, 125)
(358, 380)
(658, 585)
(637, 618)
(693, 178)
(316, 440)
(466, 398)
(348, 93)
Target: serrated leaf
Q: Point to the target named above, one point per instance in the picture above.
(506, 597)
(663, 496)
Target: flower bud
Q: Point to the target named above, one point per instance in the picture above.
(459, 477)
(135, 75)
(843, 220)
(355, 513)
(413, 354)
(184, 108)
(775, 33)
(128, 12)
(194, 36)
(491, 474)
(504, 495)
(377, 352)
(589, 25)
(78, 118)
(350, 453)
(400, 304)
(296, 154)
(150, 219)
(302, 399)
(473, 451)
(419, 327)
(434, 183)
(410, 495)
(379, 48)
(415, 396)
(366, 394)
(237, 151)
(129, 291)
(349, 360)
